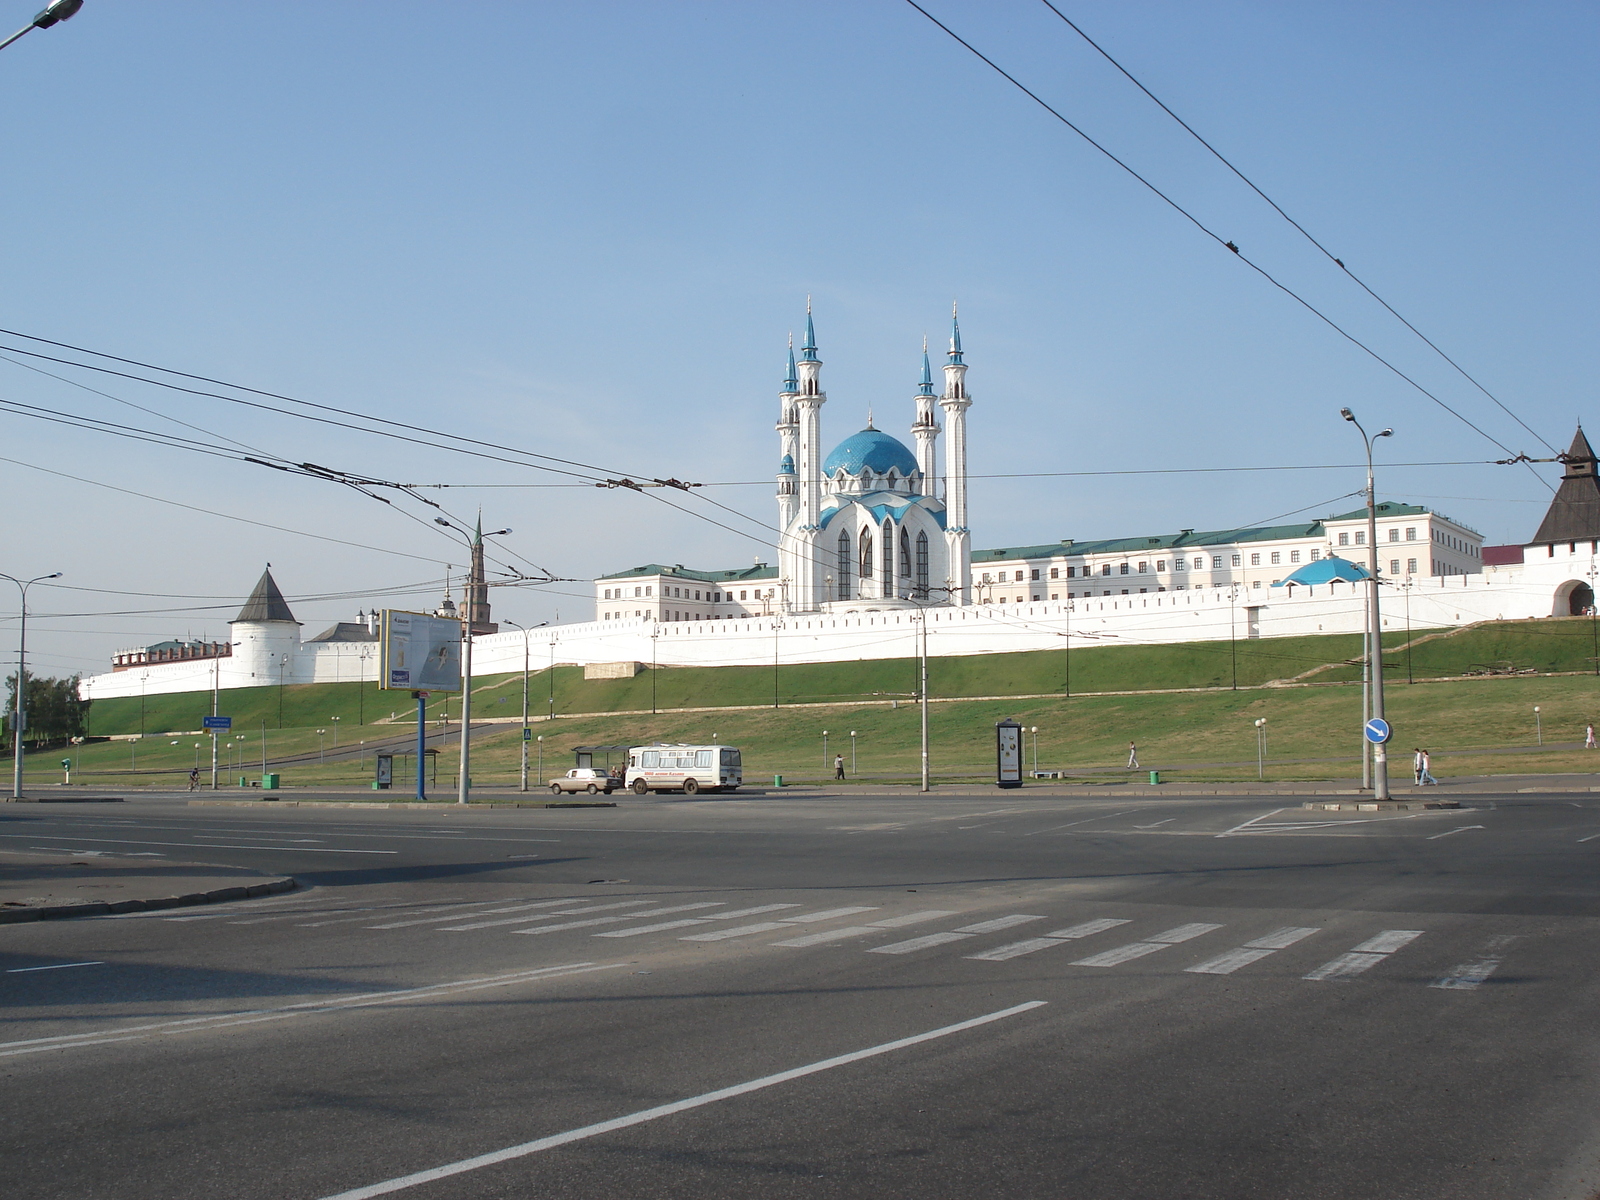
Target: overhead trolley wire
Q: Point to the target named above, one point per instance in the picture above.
(1220, 241)
(1331, 257)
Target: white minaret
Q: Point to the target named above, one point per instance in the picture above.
(788, 446)
(955, 403)
(805, 580)
(925, 429)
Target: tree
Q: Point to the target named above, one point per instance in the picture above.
(53, 710)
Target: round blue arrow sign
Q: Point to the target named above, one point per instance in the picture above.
(1377, 731)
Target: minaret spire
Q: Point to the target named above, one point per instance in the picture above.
(925, 428)
(799, 567)
(791, 381)
(808, 350)
(955, 403)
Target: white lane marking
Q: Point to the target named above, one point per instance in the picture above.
(1085, 821)
(1345, 966)
(921, 943)
(1246, 824)
(1060, 937)
(1365, 956)
(1469, 975)
(993, 812)
(830, 914)
(999, 923)
(1457, 829)
(1590, 838)
(1160, 941)
(320, 907)
(1227, 964)
(1168, 821)
(592, 921)
(830, 935)
(916, 918)
(659, 927)
(560, 912)
(666, 1110)
(1388, 941)
(1087, 929)
(51, 967)
(1282, 939)
(456, 916)
(193, 845)
(720, 935)
(72, 1041)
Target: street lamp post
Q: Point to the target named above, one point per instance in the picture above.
(335, 721)
(1034, 729)
(1261, 747)
(852, 754)
(551, 716)
(525, 633)
(1380, 751)
(824, 749)
(19, 709)
(1538, 725)
(320, 734)
(463, 782)
(54, 13)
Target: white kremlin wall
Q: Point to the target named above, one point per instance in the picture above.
(1539, 588)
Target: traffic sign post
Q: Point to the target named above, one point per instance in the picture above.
(215, 725)
(1377, 731)
(217, 722)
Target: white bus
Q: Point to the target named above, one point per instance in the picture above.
(689, 769)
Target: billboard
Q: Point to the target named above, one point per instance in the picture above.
(419, 652)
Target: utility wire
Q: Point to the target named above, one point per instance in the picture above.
(1203, 228)
(1338, 262)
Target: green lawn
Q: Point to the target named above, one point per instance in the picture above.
(1187, 734)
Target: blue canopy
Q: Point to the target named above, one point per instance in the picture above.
(1325, 571)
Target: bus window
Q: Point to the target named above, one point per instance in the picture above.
(730, 758)
(702, 758)
(652, 758)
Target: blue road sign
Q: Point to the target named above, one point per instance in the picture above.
(527, 734)
(217, 722)
(1377, 731)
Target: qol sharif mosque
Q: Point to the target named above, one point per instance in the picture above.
(872, 524)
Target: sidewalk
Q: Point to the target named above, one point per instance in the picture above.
(39, 886)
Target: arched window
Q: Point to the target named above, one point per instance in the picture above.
(888, 558)
(866, 558)
(922, 566)
(846, 566)
(905, 553)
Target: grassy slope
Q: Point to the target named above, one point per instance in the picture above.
(1084, 732)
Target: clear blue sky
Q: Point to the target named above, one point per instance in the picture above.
(586, 230)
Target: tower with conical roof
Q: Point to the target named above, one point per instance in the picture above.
(266, 637)
(476, 601)
(804, 573)
(1574, 513)
(955, 403)
(925, 427)
(788, 489)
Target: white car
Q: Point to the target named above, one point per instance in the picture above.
(583, 779)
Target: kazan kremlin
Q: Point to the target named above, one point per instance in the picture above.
(875, 548)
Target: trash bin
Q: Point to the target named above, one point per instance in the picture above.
(270, 780)
(1155, 776)
(777, 781)
(244, 781)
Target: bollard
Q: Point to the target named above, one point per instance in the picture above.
(777, 781)
(1155, 776)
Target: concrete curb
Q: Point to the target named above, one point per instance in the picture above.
(13, 916)
(438, 806)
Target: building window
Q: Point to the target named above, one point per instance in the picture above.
(1256, 583)
(1161, 564)
(1019, 576)
(1216, 562)
(1124, 591)
(1235, 560)
(1411, 566)
(1411, 533)
(1294, 556)
(1394, 566)
(1036, 597)
(1361, 537)
(1255, 560)
(650, 590)
(1178, 564)
(638, 592)
(888, 558)
(922, 566)
(1072, 572)
(905, 553)
(1034, 574)
(1394, 534)
(1276, 558)
(1055, 573)
(1316, 555)
(1105, 569)
(846, 559)
(1122, 569)
(1344, 539)
(864, 557)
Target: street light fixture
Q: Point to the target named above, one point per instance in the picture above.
(1261, 747)
(1380, 751)
(463, 783)
(53, 14)
(19, 710)
(1538, 725)
(526, 630)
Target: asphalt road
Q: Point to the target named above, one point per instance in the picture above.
(969, 996)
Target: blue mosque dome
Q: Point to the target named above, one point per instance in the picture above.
(871, 448)
(786, 467)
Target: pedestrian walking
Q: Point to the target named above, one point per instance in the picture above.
(1133, 757)
(1427, 775)
(838, 766)
(1588, 737)
(194, 778)
(1416, 767)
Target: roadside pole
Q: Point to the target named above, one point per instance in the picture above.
(422, 743)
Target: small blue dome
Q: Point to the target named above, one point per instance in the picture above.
(786, 467)
(871, 448)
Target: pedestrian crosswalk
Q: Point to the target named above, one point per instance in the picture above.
(1196, 948)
